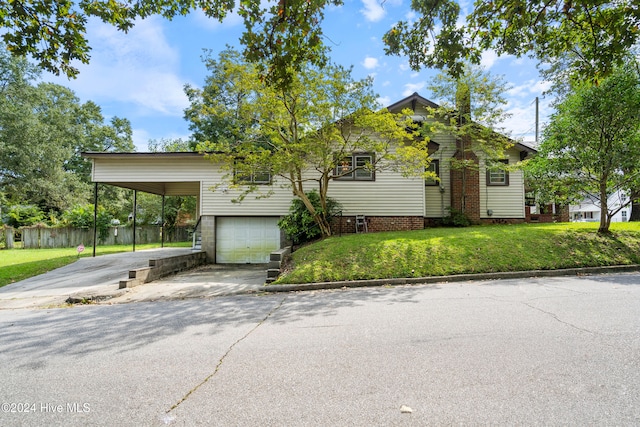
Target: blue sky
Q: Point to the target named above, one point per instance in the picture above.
(140, 75)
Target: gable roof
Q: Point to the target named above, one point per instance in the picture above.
(412, 100)
(415, 99)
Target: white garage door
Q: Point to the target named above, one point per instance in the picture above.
(246, 240)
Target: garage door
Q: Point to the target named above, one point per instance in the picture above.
(246, 240)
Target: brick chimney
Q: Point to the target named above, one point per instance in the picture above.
(465, 181)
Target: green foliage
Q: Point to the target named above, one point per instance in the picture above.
(43, 130)
(599, 33)
(592, 144)
(281, 36)
(456, 218)
(83, 217)
(300, 225)
(23, 215)
(167, 145)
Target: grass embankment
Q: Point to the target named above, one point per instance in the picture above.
(20, 264)
(478, 249)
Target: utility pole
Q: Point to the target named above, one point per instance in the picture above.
(537, 121)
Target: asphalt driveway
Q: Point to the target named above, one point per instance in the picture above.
(100, 276)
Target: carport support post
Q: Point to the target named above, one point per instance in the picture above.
(162, 225)
(95, 217)
(135, 211)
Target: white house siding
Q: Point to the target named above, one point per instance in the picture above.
(504, 201)
(219, 200)
(150, 169)
(390, 194)
(436, 202)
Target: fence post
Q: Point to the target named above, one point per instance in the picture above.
(8, 237)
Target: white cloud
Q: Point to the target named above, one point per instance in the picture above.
(139, 69)
(372, 10)
(384, 101)
(370, 63)
(489, 57)
(404, 66)
(410, 88)
(529, 88)
(522, 123)
(141, 139)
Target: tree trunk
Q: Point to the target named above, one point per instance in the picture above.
(318, 217)
(635, 210)
(605, 218)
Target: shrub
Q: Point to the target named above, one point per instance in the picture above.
(299, 224)
(456, 218)
(82, 217)
(24, 215)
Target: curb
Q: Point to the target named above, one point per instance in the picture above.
(452, 278)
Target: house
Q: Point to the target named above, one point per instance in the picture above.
(589, 209)
(247, 232)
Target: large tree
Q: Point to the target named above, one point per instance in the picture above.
(591, 146)
(471, 108)
(282, 35)
(43, 129)
(302, 136)
(597, 33)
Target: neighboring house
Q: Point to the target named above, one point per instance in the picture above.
(589, 209)
(247, 232)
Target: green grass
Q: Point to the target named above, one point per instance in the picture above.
(478, 249)
(20, 264)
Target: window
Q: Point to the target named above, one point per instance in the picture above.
(434, 167)
(260, 176)
(496, 175)
(357, 167)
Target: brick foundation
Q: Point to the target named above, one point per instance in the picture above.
(561, 215)
(347, 224)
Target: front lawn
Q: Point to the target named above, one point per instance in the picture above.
(20, 264)
(478, 249)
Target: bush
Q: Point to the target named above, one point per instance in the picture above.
(456, 218)
(299, 225)
(82, 217)
(24, 215)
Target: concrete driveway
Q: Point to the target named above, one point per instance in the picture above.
(99, 278)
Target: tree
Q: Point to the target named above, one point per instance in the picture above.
(302, 136)
(471, 107)
(43, 130)
(598, 33)
(176, 208)
(282, 35)
(592, 145)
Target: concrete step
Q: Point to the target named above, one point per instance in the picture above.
(163, 267)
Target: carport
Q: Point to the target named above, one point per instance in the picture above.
(147, 172)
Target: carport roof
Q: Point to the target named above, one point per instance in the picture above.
(112, 155)
(159, 187)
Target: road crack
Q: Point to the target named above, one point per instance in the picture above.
(555, 316)
(221, 361)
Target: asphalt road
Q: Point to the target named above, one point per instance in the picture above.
(548, 351)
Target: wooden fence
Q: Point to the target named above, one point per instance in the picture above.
(67, 237)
